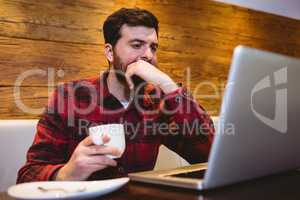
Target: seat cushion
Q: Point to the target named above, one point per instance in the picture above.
(168, 159)
(16, 136)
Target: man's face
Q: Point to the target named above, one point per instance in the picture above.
(135, 43)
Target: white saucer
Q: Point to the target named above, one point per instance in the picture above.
(70, 189)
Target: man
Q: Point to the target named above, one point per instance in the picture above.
(133, 92)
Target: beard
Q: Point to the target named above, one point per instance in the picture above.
(120, 69)
(141, 87)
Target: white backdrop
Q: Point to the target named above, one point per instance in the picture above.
(287, 8)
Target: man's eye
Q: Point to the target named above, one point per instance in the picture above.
(136, 46)
(154, 49)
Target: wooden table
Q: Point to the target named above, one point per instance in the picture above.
(284, 186)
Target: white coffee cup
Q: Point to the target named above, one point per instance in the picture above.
(114, 131)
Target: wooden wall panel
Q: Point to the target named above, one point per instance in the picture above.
(196, 39)
(33, 97)
(19, 55)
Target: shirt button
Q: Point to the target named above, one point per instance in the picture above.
(121, 170)
(178, 99)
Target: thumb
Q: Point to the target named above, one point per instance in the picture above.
(129, 82)
(87, 141)
(105, 139)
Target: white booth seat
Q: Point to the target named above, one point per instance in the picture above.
(16, 136)
(168, 159)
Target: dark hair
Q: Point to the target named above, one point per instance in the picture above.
(129, 16)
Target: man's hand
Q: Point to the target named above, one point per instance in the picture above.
(150, 74)
(86, 159)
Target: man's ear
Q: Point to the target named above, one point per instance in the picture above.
(108, 51)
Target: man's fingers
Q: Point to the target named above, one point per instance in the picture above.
(88, 140)
(101, 161)
(103, 150)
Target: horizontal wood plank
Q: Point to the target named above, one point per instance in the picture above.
(55, 41)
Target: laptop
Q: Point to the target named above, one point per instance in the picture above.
(258, 133)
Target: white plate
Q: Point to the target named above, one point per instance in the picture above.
(72, 189)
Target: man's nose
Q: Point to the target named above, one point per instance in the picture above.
(147, 55)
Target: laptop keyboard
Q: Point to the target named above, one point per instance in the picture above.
(199, 174)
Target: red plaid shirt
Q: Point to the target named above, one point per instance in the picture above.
(183, 126)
